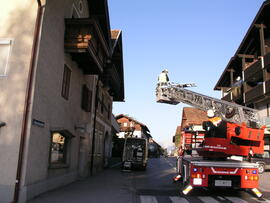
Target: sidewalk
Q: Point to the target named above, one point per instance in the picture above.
(114, 162)
(111, 185)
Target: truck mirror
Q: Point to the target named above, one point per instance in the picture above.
(173, 139)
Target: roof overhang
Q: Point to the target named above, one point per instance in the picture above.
(248, 43)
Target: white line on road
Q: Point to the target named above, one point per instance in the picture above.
(236, 199)
(208, 199)
(178, 200)
(148, 199)
(264, 200)
(219, 197)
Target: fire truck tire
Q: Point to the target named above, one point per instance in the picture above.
(144, 167)
(261, 168)
(184, 183)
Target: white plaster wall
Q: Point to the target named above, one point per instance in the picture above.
(13, 86)
(262, 107)
(121, 134)
(137, 133)
(52, 109)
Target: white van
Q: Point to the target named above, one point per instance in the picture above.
(135, 153)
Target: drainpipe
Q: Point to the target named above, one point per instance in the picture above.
(28, 101)
(94, 128)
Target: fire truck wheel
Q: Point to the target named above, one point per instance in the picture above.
(261, 168)
(144, 167)
(184, 183)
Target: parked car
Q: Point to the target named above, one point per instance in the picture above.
(263, 160)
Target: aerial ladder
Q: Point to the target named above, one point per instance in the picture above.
(244, 134)
(239, 134)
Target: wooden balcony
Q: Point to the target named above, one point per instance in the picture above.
(112, 78)
(237, 94)
(86, 44)
(254, 94)
(267, 87)
(254, 72)
(267, 62)
(227, 97)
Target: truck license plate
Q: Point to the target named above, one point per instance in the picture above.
(223, 183)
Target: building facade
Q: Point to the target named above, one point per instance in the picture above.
(129, 127)
(246, 78)
(61, 67)
(190, 131)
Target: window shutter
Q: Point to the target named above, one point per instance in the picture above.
(86, 99)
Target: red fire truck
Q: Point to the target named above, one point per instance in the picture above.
(221, 159)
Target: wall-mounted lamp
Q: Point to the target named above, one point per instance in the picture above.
(2, 124)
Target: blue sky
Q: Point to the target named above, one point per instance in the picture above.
(193, 39)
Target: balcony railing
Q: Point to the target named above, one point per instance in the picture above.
(227, 97)
(255, 93)
(267, 87)
(237, 94)
(253, 72)
(267, 62)
(85, 42)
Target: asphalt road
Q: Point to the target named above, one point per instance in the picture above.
(151, 186)
(156, 186)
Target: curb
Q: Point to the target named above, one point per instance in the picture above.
(114, 165)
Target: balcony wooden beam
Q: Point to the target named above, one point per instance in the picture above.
(262, 40)
(246, 56)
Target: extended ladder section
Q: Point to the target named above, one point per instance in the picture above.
(172, 93)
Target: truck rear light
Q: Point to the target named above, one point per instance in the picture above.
(254, 171)
(252, 178)
(203, 175)
(196, 175)
(195, 169)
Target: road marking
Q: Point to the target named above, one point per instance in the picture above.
(236, 199)
(208, 199)
(219, 197)
(176, 199)
(148, 199)
(264, 200)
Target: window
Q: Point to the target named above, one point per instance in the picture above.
(58, 148)
(86, 99)
(5, 46)
(66, 82)
(80, 6)
(74, 12)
